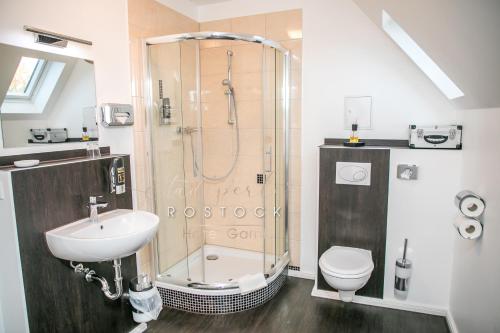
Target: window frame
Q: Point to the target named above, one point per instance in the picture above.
(33, 82)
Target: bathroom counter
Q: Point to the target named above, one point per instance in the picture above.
(11, 168)
(370, 143)
(7, 161)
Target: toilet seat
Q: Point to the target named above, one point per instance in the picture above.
(346, 262)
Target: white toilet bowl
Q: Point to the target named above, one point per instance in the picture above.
(346, 269)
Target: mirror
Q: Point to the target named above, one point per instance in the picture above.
(45, 98)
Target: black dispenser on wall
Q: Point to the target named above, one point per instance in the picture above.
(117, 176)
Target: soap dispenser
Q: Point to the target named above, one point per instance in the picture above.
(117, 176)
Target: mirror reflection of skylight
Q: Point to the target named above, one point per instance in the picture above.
(419, 57)
(26, 77)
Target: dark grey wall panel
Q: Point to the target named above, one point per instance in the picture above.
(58, 300)
(354, 216)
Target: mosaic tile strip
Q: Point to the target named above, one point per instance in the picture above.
(220, 304)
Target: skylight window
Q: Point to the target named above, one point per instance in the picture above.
(26, 78)
(419, 57)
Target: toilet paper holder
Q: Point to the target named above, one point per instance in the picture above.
(472, 207)
(470, 204)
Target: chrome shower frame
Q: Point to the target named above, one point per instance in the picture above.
(148, 93)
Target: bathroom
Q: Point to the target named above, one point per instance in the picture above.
(210, 136)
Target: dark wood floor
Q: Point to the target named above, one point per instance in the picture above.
(295, 310)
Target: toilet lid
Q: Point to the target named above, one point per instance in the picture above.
(346, 260)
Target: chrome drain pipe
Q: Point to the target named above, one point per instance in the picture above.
(91, 275)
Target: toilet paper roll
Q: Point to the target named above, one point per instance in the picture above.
(470, 204)
(468, 228)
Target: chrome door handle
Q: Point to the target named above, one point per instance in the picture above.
(268, 160)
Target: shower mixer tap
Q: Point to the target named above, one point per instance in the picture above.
(186, 130)
(165, 107)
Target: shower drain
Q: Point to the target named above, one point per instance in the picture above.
(212, 257)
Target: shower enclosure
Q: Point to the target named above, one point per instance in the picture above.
(219, 131)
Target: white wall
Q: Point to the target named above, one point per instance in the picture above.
(102, 22)
(12, 300)
(78, 93)
(475, 296)
(423, 211)
(345, 54)
(451, 27)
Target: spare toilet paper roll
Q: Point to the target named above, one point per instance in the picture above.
(470, 204)
(468, 228)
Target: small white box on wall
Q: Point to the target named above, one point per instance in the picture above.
(358, 110)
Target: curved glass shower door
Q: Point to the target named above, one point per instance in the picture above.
(219, 131)
(275, 121)
(177, 182)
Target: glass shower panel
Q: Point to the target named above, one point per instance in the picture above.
(219, 141)
(281, 127)
(275, 126)
(168, 159)
(191, 132)
(269, 153)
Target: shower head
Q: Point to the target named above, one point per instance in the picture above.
(230, 53)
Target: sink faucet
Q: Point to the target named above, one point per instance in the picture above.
(93, 206)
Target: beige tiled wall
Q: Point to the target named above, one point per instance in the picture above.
(149, 18)
(219, 143)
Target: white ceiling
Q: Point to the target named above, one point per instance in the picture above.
(206, 2)
(189, 8)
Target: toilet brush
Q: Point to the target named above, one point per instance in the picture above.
(403, 273)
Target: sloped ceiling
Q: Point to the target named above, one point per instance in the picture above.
(461, 36)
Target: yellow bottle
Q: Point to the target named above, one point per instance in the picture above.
(354, 140)
(85, 134)
(354, 136)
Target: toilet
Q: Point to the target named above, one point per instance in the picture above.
(346, 269)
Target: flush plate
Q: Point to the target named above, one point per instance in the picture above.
(350, 173)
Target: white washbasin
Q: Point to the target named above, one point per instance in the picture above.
(117, 234)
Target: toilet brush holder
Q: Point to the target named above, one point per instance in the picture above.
(402, 275)
(402, 278)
